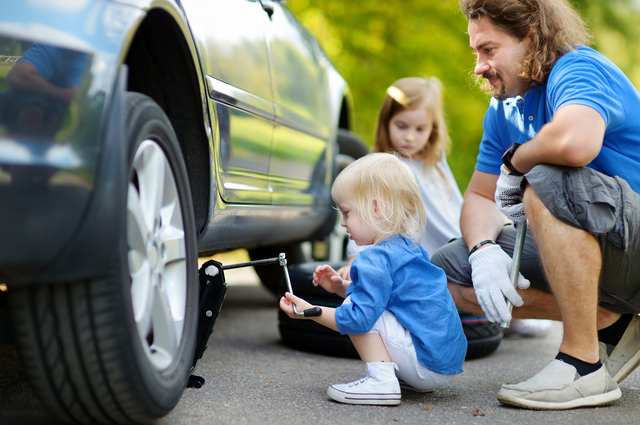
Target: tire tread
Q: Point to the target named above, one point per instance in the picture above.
(75, 338)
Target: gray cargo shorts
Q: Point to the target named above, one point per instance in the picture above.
(604, 206)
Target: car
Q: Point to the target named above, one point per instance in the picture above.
(135, 137)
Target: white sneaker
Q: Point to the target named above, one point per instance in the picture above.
(558, 386)
(625, 356)
(527, 328)
(379, 387)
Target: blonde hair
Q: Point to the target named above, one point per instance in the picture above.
(409, 94)
(553, 26)
(388, 179)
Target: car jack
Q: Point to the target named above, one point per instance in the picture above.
(213, 290)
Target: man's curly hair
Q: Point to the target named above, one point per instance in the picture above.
(556, 29)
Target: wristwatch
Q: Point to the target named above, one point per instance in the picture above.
(506, 159)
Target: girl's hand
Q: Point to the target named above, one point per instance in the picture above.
(286, 305)
(330, 280)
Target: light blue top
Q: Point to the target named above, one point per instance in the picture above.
(396, 275)
(583, 77)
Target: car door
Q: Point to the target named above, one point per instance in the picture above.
(230, 35)
(298, 156)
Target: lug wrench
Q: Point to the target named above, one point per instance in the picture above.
(518, 248)
(282, 261)
(310, 312)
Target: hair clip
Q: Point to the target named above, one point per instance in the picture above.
(397, 95)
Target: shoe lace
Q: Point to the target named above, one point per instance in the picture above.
(357, 382)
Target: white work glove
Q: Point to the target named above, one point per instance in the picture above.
(509, 193)
(490, 275)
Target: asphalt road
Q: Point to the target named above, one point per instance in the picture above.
(253, 379)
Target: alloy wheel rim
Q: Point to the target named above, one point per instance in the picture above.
(157, 255)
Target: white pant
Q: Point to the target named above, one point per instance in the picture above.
(399, 344)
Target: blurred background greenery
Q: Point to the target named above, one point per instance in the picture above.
(373, 43)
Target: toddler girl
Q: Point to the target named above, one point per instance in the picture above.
(398, 311)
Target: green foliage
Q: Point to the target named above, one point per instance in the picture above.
(374, 43)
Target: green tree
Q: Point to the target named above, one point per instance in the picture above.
(374, 43)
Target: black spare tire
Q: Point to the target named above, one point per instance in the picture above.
(483, 337)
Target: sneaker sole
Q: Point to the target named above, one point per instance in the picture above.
(628, 367)
(371, 399)
(407, 387)
(416, 390)
(591, 401)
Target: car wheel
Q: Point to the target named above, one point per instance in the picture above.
(272, 275)
(351, 147)
(483, 336)
(118, 348)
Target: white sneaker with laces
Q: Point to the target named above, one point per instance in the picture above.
(379, 387)
(558, 386)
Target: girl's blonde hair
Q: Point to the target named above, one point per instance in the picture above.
(409, 94)
(387, 179)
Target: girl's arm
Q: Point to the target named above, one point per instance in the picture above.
(345, 271)
(327, 318)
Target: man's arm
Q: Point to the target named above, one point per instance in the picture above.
(572, 139)
(480, 218)
(25, 76)
(490, 264)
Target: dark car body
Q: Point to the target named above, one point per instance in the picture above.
(256, 108)
(254, 101)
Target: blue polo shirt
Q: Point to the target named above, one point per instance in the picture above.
(582, 77)
(61, 67)
(396, 275)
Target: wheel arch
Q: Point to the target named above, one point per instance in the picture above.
(345, 121)
(163, 64)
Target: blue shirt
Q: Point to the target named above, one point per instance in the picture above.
(581, 77)
(61, 67)
(396, 275)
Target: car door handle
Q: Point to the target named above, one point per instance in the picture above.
(268, 7)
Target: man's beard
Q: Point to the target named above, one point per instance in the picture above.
(499, 93)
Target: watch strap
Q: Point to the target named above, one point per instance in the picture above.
(479, 244)
(506, 159)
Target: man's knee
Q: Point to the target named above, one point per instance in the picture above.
(533, 205)
(453, 259)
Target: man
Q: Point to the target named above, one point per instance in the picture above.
(567, 119)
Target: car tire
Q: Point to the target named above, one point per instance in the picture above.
(351, 147)
(350, 144)
(307, 335)
(118, 348)
(483, 337)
